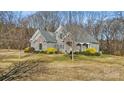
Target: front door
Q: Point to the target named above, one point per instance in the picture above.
(40, 46)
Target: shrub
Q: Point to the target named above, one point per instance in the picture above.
(44, 52)
(36, 52)
(90, 50)
(76, 53)
(97, 54)
(51, 50)
(29, 50)
(91, 54)
(59, 52)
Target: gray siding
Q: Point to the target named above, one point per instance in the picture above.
(51, 45)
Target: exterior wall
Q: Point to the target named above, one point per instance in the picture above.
(60, 44)
(83, 48)
(78, 48)
(35, 45)
(51, 45)
(37, 40)
(45, 45)
(67, 48)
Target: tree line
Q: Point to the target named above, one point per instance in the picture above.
(106, 27)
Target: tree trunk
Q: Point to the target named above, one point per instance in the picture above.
(72, 55)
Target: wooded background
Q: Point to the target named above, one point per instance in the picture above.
(107, 27)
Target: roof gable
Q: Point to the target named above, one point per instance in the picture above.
(49, 36)
(35, 35)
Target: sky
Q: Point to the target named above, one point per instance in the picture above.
(26, 13)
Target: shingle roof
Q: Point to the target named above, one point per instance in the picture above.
(82, 36)
(85, 37)
(49, 36)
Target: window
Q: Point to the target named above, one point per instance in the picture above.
(62, 46)
(40, 46)
(61, 36)
(55, 46)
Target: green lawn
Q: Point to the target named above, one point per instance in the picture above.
(60, 66)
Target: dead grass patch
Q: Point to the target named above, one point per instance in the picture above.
(60, 67)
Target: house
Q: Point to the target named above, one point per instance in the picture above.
(61, 40)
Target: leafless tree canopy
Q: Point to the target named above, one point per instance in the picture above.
(107, 27)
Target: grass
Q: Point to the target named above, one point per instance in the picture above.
(60, 66)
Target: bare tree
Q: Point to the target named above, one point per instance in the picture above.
(45, 20)
(106, 27)
(74, 28)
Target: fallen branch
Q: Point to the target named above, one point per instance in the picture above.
(18, 70)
